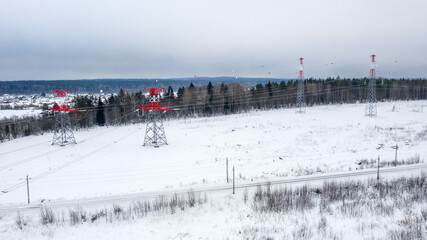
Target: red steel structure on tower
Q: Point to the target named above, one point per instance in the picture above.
(301, 71)
(63, 133)
(62, 93)
(372, 70)
(62, 108)
(154, 100)
(155, 132)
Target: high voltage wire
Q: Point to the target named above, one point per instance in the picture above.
(245, 94)
(250, 99)
(190, 166)
(13, 164)
(4, 191)
(205, 165)
(248, 93)
(55, 150)
(62, 166)
(219, 102)
(247, 98)
(199, 93)
(120, 117)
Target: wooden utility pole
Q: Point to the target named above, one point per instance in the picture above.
(378, 171)
(395, 156)
(28, 190)
(226, 168)
(233, 179)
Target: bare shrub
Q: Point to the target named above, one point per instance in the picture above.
(46, 216)
(97, 215)
(173, 203)
(191, 198)
(245, 195)
(117, 210)
(182, 203)
(373, 163)
(201, 200)
(142, 208)
(258, 194)
(302, 232)
(410, 228)
(321, 227)
(160, 203)
(424, 214)
(20, 221)
(78, 215)
(128, 213)
(282, 199)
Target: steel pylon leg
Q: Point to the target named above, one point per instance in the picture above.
(155, 133)
(63, 133)
(371, 101)
(300, 106)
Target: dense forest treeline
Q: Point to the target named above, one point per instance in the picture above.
(215, 99)
(113, 85)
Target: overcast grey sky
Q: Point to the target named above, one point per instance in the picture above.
(73, 39)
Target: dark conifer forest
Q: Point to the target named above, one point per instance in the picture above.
(213, 99)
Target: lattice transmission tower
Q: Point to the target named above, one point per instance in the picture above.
(155, 132)
(63, 133)
(371, 101)
(300, 91)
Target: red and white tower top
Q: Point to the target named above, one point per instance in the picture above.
(301, 71)
(154, 100)
(62, 107)
(62, 93)
(372, 71)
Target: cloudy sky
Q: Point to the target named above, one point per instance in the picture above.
(74, 39)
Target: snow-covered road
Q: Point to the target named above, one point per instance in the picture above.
(114, 199)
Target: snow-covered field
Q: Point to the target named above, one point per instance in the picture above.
(393, 208)
(18, 113)
(260, 145)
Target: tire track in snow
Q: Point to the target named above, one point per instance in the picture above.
(26, 147)
(4, 191)
(13, 164)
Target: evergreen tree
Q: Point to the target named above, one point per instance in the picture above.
(170, 93)
(45, 107)
(208, 104)
(224, 91)
(180, 92)
(7, 131)
(269, 87)
(100, 116)
(1, 134)
(210, 89)
(13, 130)
(224, 88)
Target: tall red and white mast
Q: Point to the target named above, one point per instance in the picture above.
(300, 104)
(371, 101)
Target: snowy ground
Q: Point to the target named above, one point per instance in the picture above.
(393, 208)
(18, 113)
(261, 145)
